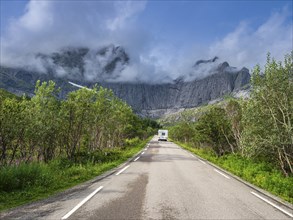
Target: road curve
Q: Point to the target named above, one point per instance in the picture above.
(163, 182)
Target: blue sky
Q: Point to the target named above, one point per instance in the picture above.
(213, 18)
(160, 36)
(207, 20)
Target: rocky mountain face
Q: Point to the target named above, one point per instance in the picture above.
(83, 64)
(156, 100)
(152, 100)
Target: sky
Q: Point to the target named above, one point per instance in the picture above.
(161, 37)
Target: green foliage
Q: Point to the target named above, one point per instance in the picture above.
(29, 182)
(268, 115)
(44, 128)
(183, 131)
(142, 127)
(133, 141)
(213, 129)
(251, 138)
(234, 114)
(260, 128)
(4, 94)
(47, 145)
(12, 128)
(44, 121)
(24, 176)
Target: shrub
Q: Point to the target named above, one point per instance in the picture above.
(23, 176)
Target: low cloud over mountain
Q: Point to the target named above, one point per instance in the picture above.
(48, 28)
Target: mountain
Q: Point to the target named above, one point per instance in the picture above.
(87, 67)
(156, 100)
(83, 64)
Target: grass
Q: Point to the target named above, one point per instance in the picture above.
(259, 173)
(30, 182)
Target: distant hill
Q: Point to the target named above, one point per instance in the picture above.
(193, 114)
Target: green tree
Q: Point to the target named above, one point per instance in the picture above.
(78, 116)
(234, 113)
(11, 129)
(268, 115)
(43, 117)
(214, 128)
(183, 131)
(43, 128)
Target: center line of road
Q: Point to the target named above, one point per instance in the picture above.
(122, 170)
(81, 203)
(136, 159)
(142, 153)
(272, 204)
(222, 174)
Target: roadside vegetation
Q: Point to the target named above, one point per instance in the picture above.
(251, 138)
(48, 145)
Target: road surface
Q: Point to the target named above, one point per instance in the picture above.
(163, 182)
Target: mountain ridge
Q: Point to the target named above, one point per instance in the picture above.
(146, 99)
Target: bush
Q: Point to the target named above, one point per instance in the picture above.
(132, 142)
(23, 176)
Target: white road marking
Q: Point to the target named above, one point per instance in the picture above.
(192, 155)
(222, 174)
(272, 204)
(142, 153)
(122, 170)
(81, 203)
(136, 159)
(202, 161)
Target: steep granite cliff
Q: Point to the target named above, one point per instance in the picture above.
(147, 99)
(155, 100)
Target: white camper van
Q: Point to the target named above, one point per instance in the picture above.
(163, 135)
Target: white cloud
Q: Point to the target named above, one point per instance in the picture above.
(248, 47)
(47, 26)
(125, 11)
(37, 17)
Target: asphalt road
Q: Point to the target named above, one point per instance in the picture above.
(164, 182)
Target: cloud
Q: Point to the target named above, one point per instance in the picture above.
(48, 26)
(125, 11)
(247, 47)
